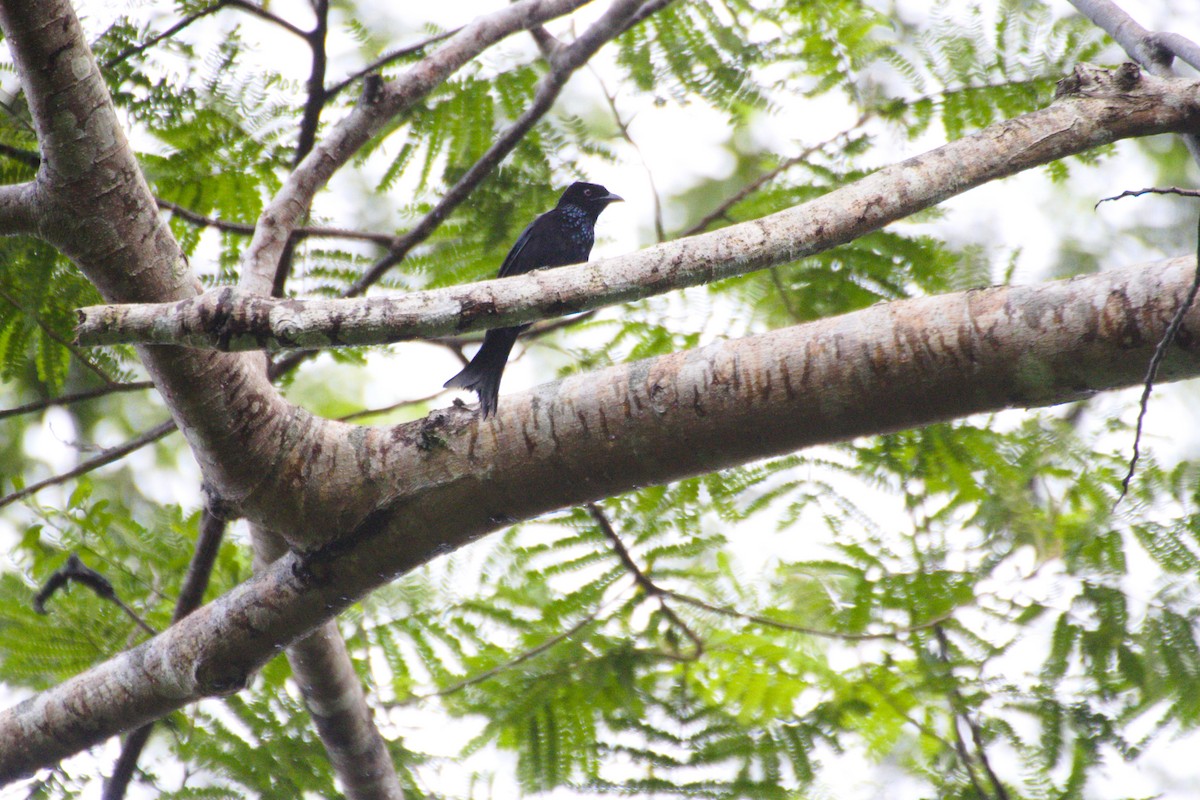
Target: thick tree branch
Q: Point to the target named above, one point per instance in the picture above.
(322, 668)
(191, 594)
(1095, 107)
(368, 118)
(1148, 49)
(564, 62)
(18, 208)
(453, 477)
(97, 209)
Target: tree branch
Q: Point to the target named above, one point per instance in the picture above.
(565, 61)
(54, 337)
(1095, 106)
(324, 672)
(1146, 48)
(292, 201)
(387, 58)
(107, 457)
(191, 595)
(304, 232)
(313, 106)
(167, 34)
(18, 208)
(75, 397)
(452, 477)
(753, 186)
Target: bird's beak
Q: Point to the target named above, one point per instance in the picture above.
(613, 198)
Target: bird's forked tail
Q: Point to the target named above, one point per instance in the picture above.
(483, 374)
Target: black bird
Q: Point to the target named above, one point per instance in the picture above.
(561, 236)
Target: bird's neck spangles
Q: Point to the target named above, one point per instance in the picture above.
(579, 224)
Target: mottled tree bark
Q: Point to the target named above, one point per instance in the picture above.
(453, 478)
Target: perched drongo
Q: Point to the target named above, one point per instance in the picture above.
(561, 236)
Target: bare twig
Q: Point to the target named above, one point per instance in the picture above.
(372, 412)
(107, 457)
(27, 157)
(648, 586)
(1150, 190)
(521, 658)
(262, 13)
(53, 336)
(568, 59)
(961, 711)
(191, 594)
(75, 397)
(623, 126)
(242, 5)
(1164, 344)
(385, 59)
(385, 239)
(753, 186)
(137, 49)
(314, 104)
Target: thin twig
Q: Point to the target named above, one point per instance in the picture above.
(753, 186)
(386, 59)
(385, 239)
(107, 457)
(623, 127)
(507, 665)
(1149, 190)
(29, 158)
(1168, 337)
(372, 412)
(168, 33)
(648, 586)
(75, 397)
(788, 626)
(959, 706)
(314, 104)
(50, 332)
(784, 295)
(191, 594)
(274, 19)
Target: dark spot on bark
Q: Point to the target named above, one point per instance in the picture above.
(214, 317)
(786, 374)
(697, 404)
(219, 677)
(1118, 322)
(1129, 75)
(471, 310)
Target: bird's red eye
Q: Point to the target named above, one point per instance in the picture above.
(587, 192)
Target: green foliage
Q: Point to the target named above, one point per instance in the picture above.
(920, 600)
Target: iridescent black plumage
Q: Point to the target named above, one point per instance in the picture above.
(561, 236)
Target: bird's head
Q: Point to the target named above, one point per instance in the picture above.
(590, 196)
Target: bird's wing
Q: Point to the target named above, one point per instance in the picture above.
(544, 243)
(513, 263)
